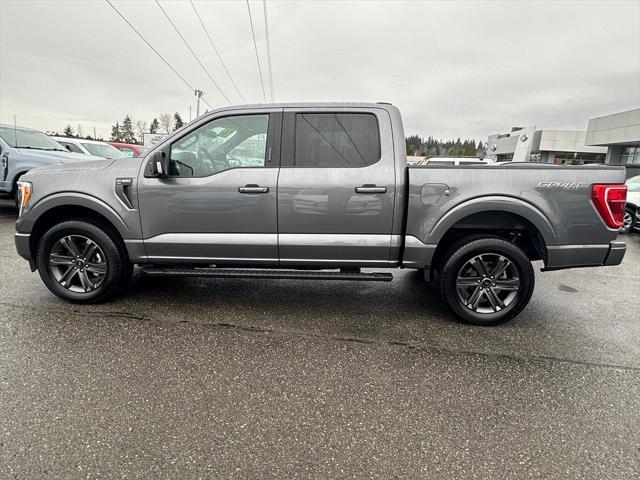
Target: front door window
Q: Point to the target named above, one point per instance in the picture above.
(222, 144)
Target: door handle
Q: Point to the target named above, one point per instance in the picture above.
(253, 188)
(370, 188)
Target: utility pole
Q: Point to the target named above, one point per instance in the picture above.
(199, 94)
(189, 112)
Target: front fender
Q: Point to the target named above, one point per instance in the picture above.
(27, 221)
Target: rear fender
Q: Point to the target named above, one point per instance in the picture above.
(493, 204)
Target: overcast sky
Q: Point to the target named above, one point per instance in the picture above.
(455, 69)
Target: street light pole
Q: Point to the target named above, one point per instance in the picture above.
(199, 94)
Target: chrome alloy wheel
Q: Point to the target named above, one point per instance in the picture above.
(78, 263)
(487, 283)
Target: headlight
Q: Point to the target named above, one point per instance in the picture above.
(24, 194)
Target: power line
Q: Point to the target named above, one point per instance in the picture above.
(216, 50)
(151, 47)
(266, 31)
(193, 53)
(255, 46)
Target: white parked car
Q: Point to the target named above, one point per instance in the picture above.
(90, 147)
(632, 211)
(453, 161)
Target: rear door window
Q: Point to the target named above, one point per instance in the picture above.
(336, 140)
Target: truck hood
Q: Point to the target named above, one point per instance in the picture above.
(84, 166)
(62, 157)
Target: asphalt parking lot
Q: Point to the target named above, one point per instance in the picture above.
(195, 378)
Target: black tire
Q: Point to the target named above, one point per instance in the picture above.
(111, 252)
(630, 220)
(497, 303)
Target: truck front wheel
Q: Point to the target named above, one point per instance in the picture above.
(81, 261)
(487, 281)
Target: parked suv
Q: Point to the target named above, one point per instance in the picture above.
(22, 149)
(315, 191)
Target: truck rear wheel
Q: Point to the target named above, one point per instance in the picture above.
(82, 262)
(487, 281)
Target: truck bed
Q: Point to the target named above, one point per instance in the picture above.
(555, 200)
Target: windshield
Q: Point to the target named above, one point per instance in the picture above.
(103, 150)
(18, 138)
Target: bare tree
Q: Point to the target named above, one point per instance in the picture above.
(166, 122)
(79, 131)
(140, 128)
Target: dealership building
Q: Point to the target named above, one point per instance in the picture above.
(612, 139)
(527, 144)
(619, 133)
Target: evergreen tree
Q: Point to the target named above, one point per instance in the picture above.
(116, 133)
(177, 120)
(68, 131)
(153, 128)
(127, 130)
(414, 145)
(444, 148)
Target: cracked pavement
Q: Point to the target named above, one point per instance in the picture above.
(234, 378)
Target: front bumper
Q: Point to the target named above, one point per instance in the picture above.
(5, 187)
(23, 245)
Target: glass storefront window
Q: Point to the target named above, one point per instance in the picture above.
(630, 155)
(577, 158)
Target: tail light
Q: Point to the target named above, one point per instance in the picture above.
(610, 200)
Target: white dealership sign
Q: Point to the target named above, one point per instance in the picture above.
(150, 140)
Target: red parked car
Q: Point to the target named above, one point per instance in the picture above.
(129, 149)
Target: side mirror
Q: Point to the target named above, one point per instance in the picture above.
(158, 165)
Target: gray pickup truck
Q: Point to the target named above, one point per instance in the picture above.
(315, 191)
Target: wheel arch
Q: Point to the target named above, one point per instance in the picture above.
(498, 206)
(522, 225)
(61, 207)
